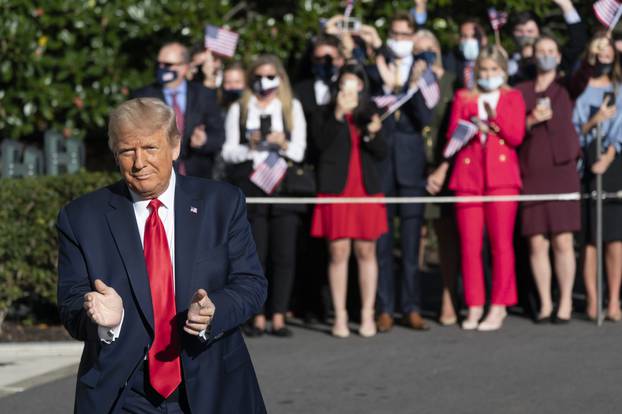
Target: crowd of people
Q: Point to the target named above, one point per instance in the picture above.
(337, 132)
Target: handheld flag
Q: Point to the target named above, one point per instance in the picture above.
(429, 88)
(608, 12)
(269, 174)
(349, 7)
(221, 41)
(497, 19)
(461, 136)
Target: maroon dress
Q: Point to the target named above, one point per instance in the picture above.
(351, 221)
(548, 160)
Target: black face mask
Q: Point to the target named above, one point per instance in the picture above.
(229, 96)
(165, 75)
(324, 69)
(602, 69)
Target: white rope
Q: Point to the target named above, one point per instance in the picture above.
(426, 200)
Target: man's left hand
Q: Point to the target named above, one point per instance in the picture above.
(199, 137)
(200, 313)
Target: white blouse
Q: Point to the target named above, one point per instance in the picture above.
(492, 98)
(233, 151)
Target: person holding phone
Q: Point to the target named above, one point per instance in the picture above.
(349, 136)
(597, 110)
(488, 165)
(548, 159)
(267, 119)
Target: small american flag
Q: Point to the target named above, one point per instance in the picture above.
(608, 12)
(221, 41)
(269, 174)
(429, 88)
(497, 18)
(384, 100)
(461, 136)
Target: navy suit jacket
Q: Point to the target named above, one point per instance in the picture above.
(201, 108)
(214, 250)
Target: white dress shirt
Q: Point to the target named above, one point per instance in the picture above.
(233, 151)
(322, 92)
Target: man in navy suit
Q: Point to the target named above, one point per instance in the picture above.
(199, 117)
(156, 274)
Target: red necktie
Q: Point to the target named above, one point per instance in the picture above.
(179, 115)
(163, 356)
(179, 120)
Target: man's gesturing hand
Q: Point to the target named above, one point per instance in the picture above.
(200, 313)
(104, 306)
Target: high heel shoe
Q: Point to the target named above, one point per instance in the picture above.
(472, 320)
(492, 322)
(368, 326)
(340, 325)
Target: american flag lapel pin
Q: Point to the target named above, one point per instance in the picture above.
(193, 210)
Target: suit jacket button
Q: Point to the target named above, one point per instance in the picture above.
(467, 161)
(502, 157)
(501, 142)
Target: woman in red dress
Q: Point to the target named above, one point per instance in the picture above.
(348, 135)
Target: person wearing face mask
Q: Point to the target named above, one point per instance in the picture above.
(488, 165)
(315, 93)
(527, 28)
(349, 135)
(268, 121)
(233, 84)
(598, 106)
(196, 110)
(206, 67)
(548, 159)
(462, 60)
(403, 174)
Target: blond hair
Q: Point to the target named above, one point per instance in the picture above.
(284, 91)
(144, 116)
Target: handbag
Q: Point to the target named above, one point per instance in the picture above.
(299, 180)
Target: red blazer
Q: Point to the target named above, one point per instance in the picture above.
(493, 164)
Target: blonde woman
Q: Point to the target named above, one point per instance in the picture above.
(488, 165)
(266, 121)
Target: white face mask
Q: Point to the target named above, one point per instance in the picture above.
(401, 48)
(491, 84)
(469, 48)
(267, 84)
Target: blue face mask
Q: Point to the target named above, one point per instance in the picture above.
(428, 56)
(324, 71)
(491, 84)
(469, 48)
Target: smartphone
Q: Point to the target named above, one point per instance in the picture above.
(544, 102)
(349, 24)
(612, 98)
(265, 126)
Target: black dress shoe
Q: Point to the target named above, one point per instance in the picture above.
(283, 332)
(543, 320)
(252, 331)
(561, 321)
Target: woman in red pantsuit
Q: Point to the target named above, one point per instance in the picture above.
(488, 165)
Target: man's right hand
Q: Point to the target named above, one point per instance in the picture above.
(103, 306)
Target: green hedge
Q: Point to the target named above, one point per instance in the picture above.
(65, 63)
(28, 239)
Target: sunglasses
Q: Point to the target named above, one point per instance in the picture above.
(168, 65)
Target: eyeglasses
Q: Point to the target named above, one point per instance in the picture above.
(402, 34)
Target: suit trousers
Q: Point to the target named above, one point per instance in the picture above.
(498, 218)
(411, 220)
(275, 230)
(141, 398)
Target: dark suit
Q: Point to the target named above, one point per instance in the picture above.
(201, 108)
(214, 250)
(403, 173)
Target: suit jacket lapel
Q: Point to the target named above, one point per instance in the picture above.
(188, 214)
(122, 223)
